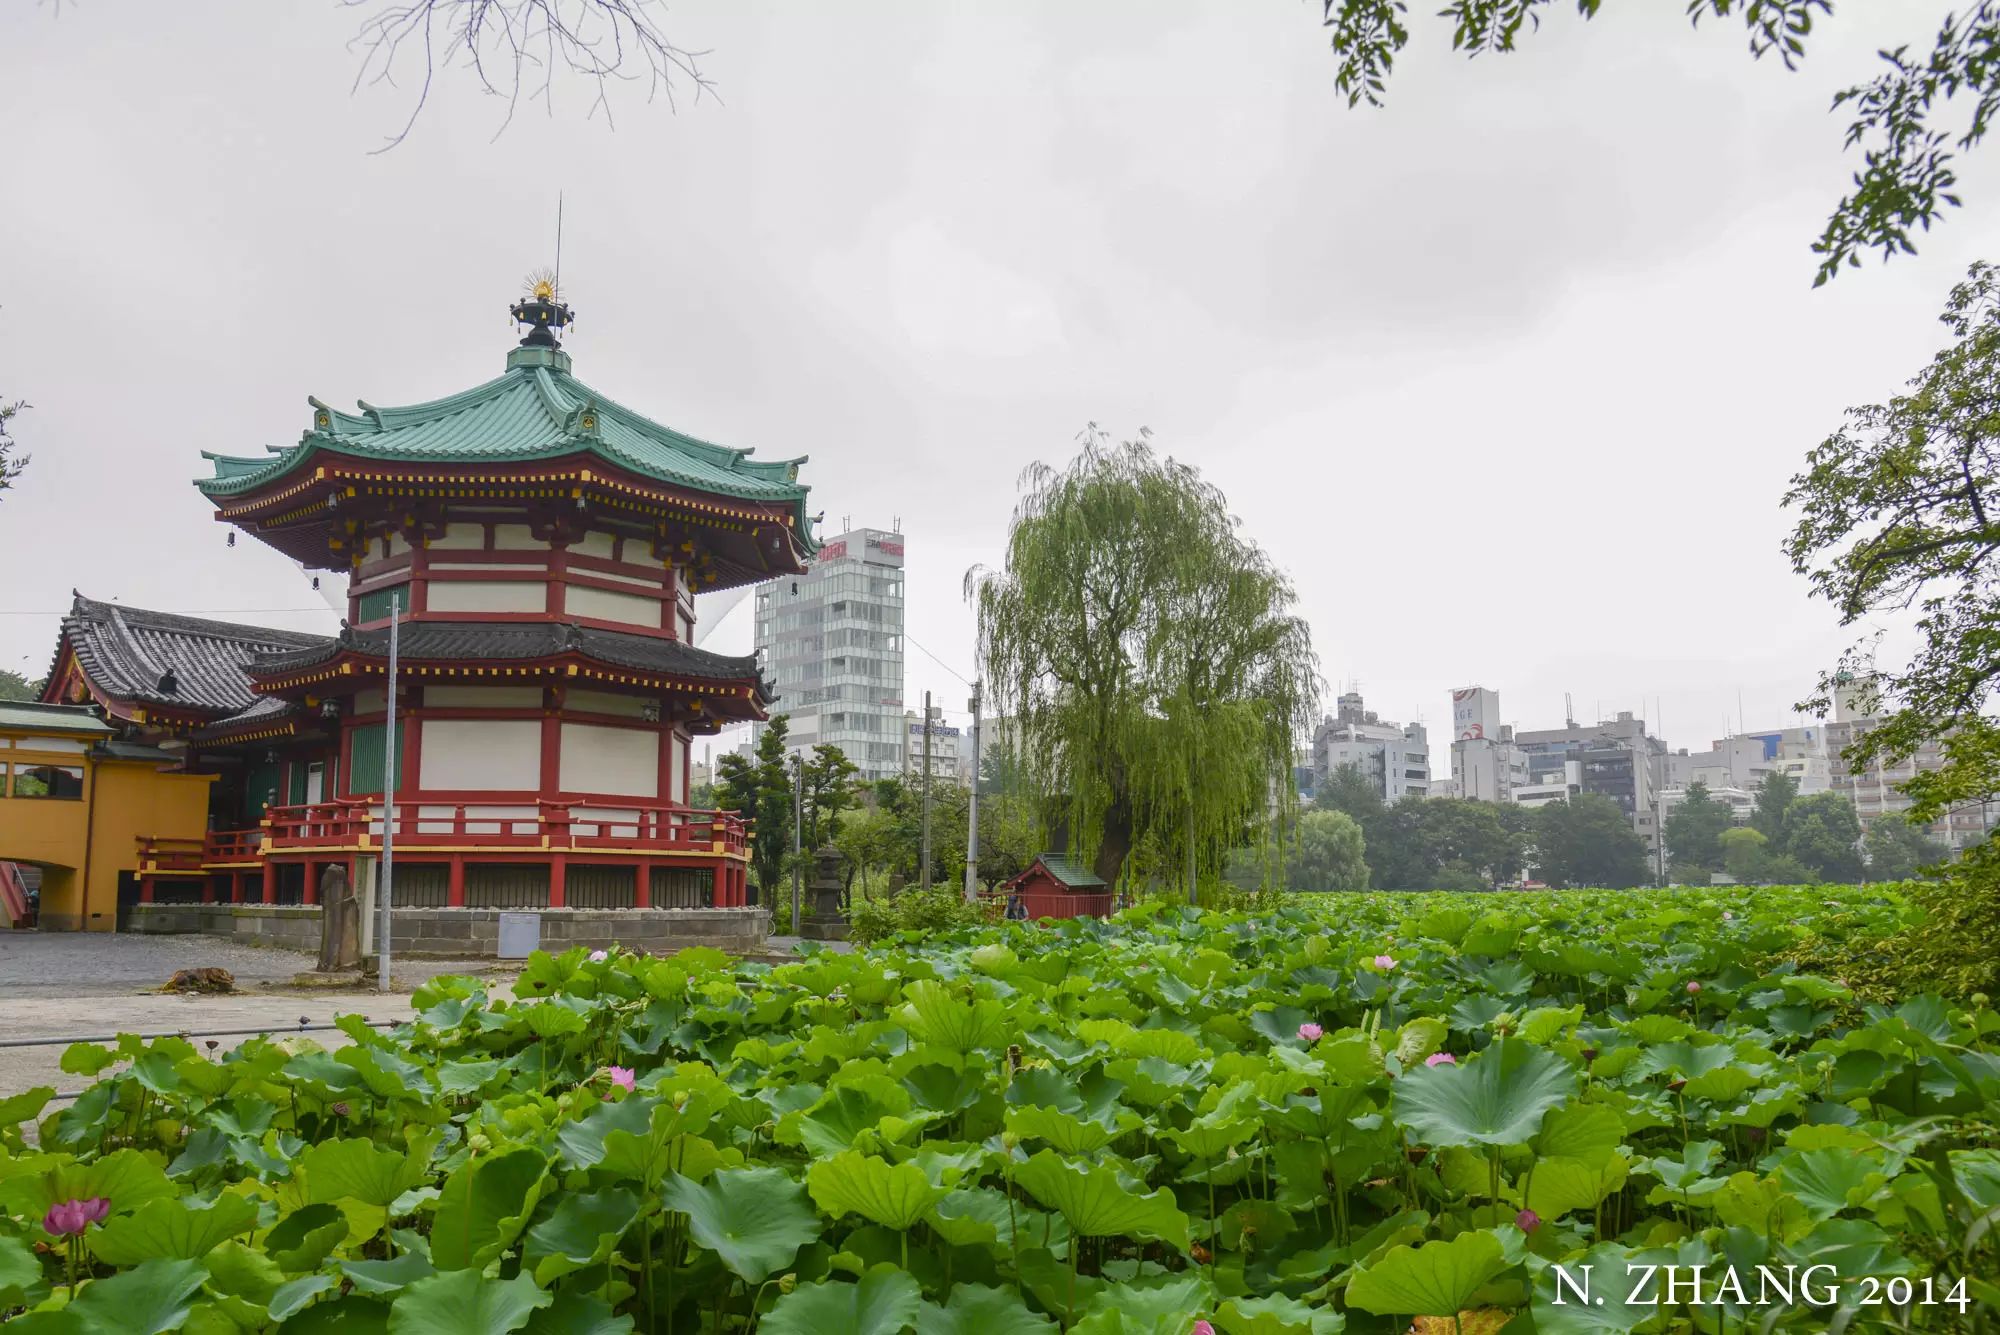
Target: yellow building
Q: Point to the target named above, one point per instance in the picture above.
(75, 801)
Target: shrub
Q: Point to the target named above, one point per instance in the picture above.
(1945, 944)
(926, 912)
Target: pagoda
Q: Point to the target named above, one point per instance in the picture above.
(538, 547)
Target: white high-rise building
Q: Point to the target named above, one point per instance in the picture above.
(946, 747)
(1394, 757)
(831, 641)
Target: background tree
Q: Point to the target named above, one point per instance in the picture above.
(1327, 853)
(1899, 512)
(829, 790)
(1348, 790)
(867, 841)
(762, 790)
(1823, 835)
(1146, 654)
(14, 686)
(1899, 851)
(1008, 837)
(1694, 832)
(1907, 177)
(12, 465)
(1587, 841)
(1774, 800)
(1750, 859)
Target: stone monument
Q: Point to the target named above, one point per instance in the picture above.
(340, 922)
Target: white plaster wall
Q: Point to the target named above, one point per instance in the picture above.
(482, 755)
(460, 536)
(605, 702)
(517, 538)
(640, 580)
(598, 759)
(486, 596)
(525, 567)
(595, 543)
(483, 697)
(603, 604)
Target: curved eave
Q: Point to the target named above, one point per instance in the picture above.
(352, 670)
(296, 519)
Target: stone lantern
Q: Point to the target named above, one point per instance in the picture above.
(828, 922)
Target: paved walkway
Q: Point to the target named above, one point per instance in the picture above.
(90, 984)
(85, 985)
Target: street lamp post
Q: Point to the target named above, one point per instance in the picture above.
(798, 821)
(385, 889)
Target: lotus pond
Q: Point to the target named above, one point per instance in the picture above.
(1566, 1113)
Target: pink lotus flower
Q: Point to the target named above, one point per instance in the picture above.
(1310, 1032)
(1694, 988)
(621, 1076)
(1440, 1059)
(1203, 1328)
(73, 1216)
(1385, 961)
(599, 956)
(1727, 916)
(1527, 1221)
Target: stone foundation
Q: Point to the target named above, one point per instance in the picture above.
(472, 933)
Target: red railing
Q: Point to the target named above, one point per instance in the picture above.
(186, 855)
(610, 824)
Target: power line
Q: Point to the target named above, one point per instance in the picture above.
(935, 659)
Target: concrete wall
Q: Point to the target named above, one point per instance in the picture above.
(472, 933)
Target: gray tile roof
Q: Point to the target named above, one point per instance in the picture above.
(164, 659)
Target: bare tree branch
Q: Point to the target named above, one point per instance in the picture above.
(515, 48)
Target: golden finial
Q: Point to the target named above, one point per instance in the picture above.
(542, 285)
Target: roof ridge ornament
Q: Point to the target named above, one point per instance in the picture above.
(543, 310)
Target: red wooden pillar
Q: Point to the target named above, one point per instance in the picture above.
(270, 881)
(720, 896)
(642, 886)
(236, 887)
(455, 891)
(558, 881)
(208, 889)
(145, 889)
(311, 893)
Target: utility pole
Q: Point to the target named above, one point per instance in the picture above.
(926, 875)
(798, 820)
(972, 809)
(391, 773)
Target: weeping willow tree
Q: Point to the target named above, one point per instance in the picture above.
(1147, 657)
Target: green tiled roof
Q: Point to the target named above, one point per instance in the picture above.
(23, 716)
(1069, 873)
(537, 410)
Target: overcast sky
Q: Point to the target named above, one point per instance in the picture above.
(1510, 376)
